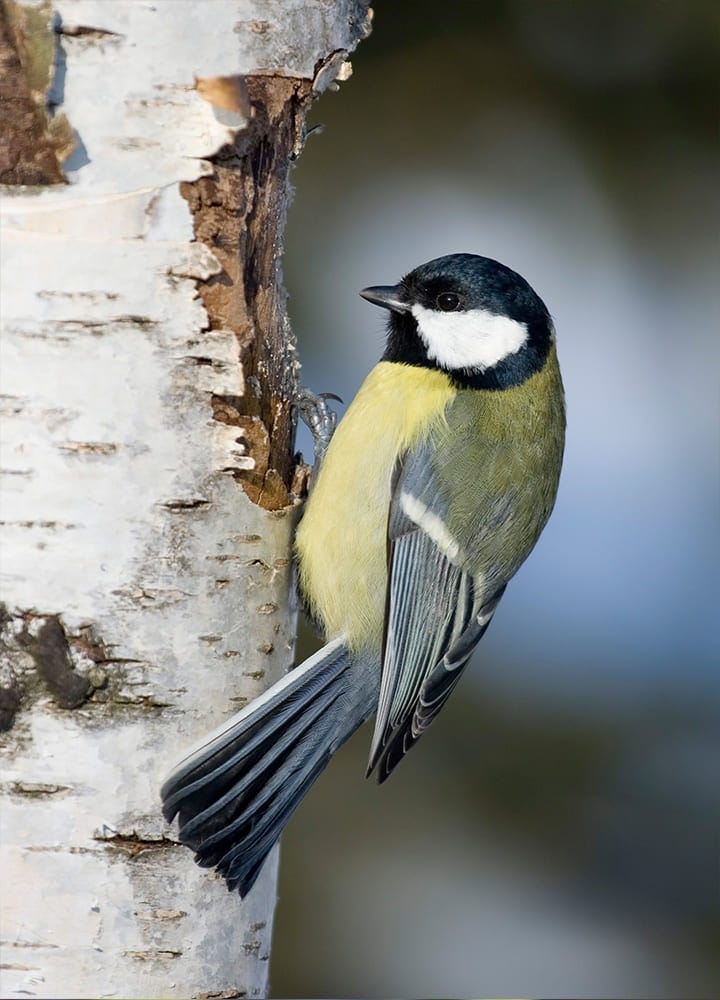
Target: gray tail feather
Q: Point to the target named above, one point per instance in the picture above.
(236, 791)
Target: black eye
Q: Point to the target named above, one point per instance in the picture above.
(448, 302)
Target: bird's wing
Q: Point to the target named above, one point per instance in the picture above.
(436, 613)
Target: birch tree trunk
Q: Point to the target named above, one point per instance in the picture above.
(148, 481)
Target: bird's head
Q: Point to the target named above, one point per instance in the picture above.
(469, 316)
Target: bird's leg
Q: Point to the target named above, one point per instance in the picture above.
(317, 415)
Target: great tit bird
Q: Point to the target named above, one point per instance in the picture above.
(433, 490)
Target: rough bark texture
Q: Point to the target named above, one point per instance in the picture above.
(28, 149)
(239, 210)
(147, 384)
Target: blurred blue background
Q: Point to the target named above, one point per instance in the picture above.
(556, 832)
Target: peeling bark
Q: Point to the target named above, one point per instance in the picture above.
(31, 146)
(149, 492)
(239, 211)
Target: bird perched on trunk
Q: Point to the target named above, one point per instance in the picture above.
(432, 492)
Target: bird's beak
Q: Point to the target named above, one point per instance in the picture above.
(387, 296)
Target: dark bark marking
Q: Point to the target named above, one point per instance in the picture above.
(11, 690)
(50, 650)
(151, 955)
(10, 698)
(54, 651)
(220, 995)
(86, 31)
(180, 505)
(132, 844)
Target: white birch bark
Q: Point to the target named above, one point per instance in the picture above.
(141, 584)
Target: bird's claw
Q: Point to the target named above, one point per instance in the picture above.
(321, 420)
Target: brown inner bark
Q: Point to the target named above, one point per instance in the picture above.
(28, 149)
(239, 212)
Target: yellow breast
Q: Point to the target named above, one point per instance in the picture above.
(341, 541)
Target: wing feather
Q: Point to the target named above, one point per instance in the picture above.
(437, 611)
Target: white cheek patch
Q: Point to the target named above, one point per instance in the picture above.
(472, 339)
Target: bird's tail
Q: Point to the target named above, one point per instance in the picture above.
(236, 791)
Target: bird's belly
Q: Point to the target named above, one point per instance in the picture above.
(341, 543)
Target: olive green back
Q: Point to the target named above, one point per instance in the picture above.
(498, 463)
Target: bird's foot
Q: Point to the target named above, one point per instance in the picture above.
(317, 415)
